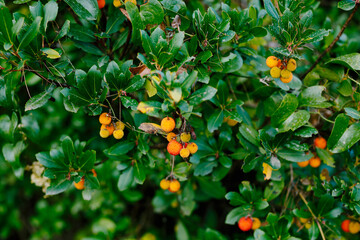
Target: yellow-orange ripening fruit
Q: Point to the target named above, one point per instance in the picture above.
(80, 185)
(119, 125)
(303, 164)
(231, 122)
(320, 142)
(168, 124)
(171, 136)
(184, 153)
(185, 137)
(256, 224)
(118, 134)
(286, 80)
(192, 148)
(354, 227)
(117, 3)
(174, 147)
(104, 133)
(286, 74)
(105, 118)
(345, 225)
(245, 224)
(174, 186)
(291, 65)
(315, 162)
(272, 61)
(303, 220)
(101, 3)
(164, 184)
(109, 127)
(275, 72)
(307, 225)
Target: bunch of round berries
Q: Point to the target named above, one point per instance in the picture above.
(249, 223)
(175, 147)
(315, 162)
(350, 226)
(108, 127)
(171, 185)
(281, 69)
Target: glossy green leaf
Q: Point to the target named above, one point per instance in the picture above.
(126, 179)
(351, 61)
(39, 100)
(340, 126)
(6, 24)
(30, 34)
(87, 9)
(348, 139)
(50, 12)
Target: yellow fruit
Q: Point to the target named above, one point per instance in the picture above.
(164, 184)
(171, 136)
(192, 148)
(354, 227)
(184, 153)
(303, 164)
(104, 133)
(308, 225)
(118, 134)
(231, 122)
(117, 3)
(119, 125)
(105, 118)
(168, 124)
(303, 220)
(275, 72)
(109, 127)
(286, 80)
(185, 137)
(285, 73)
(80, 185)
(272, 61)
(174, 186)
(256, 223)
(291, 65)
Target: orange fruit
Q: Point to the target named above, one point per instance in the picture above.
(272, 61)
(256, 224)
(192, 147)
(168, 124)
(320, 142)
(174, 186)
(345, 225)
(164, 184)
(101, 3)
(171, 136)
(354, 227)
(174, 147)
(303, 164)
(286, 80)
(184, 153)
(245, 223)
(105, 118)
(80, 185)
(109, 127)
(315, 162)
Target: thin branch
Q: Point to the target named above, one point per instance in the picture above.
(335, 40)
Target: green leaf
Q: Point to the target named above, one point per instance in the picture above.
(213, 189)
(119, 149)
(316, 36)
(271, 10)
(136, 21)
(135, 84)
(58, 186)
(306, 132)
(126, 179)
(223, 92)
(6, 24)
(152, 12)
(325, 157)
(351, 61)
(81, 33)
(69, 151)
(204, 168)
(234, 215)
(346, 5)
(293, 156)
(250, 134)
(311, 97)
(340, 126)
(64, 30)
(348, 139)
(352, 113)
(296, 120)
(201, 95)
(235, 199)
(288, 105)
(50, 12)
(30, 34)
(87, 9)
(139, 172)
(215, 120)
(87, 160)
(39, 100)
(45, 159)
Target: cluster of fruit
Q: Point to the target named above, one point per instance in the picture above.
(81, 184)
(281, 69)
(171, 185)
(175, 147)
(118, 3)
(108, 127)
(249, 223)
(350, 226)
(306, 221)
(315, 162)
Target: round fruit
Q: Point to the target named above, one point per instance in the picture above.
(80, 185)
(104, 133)
(184, 153)
(315, 162)
(272, 61)
(291, 65)
(174, 147)
(231, 122)
(275, 72)
(286, 80)
(354, 227)
(101, 3)
(185, 137)
(118, 134)
(256, 223)
(94, 172)
(105, 118)
(117, 3)
(320, 142)
(307, 225)
(303, 164)
(303, 220)
(286, 74)
(171, 136)
(109, 127)
(245, 223)
(168, 124)
(174, 186)
(192, 148)
(119, 125)
(164, 184)
(345, 225)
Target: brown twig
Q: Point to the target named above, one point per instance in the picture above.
(47, 80)
(335, 40)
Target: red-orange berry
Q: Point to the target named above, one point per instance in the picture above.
(320, 142)
(345, 225)
(245, 223)
(174, 147)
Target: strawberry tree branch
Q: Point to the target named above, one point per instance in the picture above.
(335, 40)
